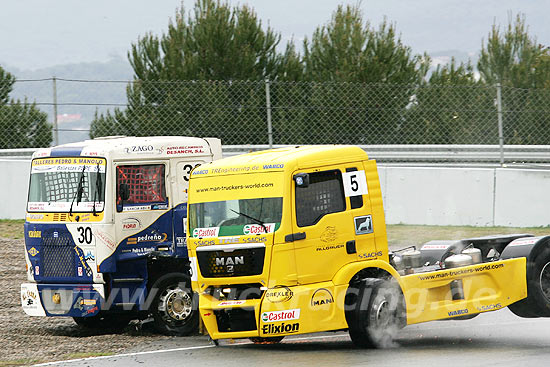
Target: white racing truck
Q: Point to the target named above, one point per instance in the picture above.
(105, 231)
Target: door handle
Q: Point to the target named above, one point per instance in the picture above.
(295, 236)
(350, 247)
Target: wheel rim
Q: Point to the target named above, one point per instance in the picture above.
(544, 281)
(383, 314)
(175, 304)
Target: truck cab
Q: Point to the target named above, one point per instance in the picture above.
(293, 241)
(104, 232)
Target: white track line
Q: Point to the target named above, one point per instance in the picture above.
(167, 351)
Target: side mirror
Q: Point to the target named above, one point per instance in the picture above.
(124, 191)
(301, 179)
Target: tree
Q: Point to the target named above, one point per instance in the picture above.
(349, 50)
(216, 43)
(514, 59)
(22, 125)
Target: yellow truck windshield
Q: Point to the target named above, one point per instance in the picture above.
(235, 217)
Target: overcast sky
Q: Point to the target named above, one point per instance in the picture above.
(40, 33)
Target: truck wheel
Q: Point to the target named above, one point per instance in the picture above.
(376, 312)
(174, 308)
(267, 340)
(101, 321)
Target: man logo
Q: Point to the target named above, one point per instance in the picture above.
(321, 298)
(236, 260)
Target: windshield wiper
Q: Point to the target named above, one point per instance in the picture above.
(98, 184)
(79, 190)
(252, 218)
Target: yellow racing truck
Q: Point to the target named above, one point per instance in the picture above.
(293, 241)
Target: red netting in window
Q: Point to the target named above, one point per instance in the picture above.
(146, 183)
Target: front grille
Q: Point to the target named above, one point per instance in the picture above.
(58, 255)
(214, 264)
(235, 319)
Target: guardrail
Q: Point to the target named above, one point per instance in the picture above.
(538, 155)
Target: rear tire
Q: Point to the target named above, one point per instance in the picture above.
(376, 312)
(538, 285)
(174, 307)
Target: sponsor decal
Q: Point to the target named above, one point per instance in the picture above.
(35, 234)
(331, 247)
(231, 260)
(281, 328)
(135, 208)
(155, 237)
(142, 250)
(200, 243)
(435, 247)
(259, 229)
(458, 312)
(106, 239)
(91, 310)
(131, 224)
(226, 240)
(35, 216)
(321, 296)
(85, 266)
(275, 316)
(279, 294)
(139, 149)
(492, 307)
(329, 234)
(29, 298)
(37, 270)
(207, 314)
(193, 149)
(206, 232)
(371, 255)
(89, 256)
(88, 302)
(363, 225)
(200, 172)
(231, 303)
(523, 242)
(273, 166)
(159, 206)
(33, 252)
(181, 241)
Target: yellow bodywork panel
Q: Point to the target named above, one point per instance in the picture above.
(485, 287)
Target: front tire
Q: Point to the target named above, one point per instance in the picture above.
(174, 307)
(375, 312)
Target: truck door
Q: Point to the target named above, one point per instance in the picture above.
(143, 213)
(322, 225)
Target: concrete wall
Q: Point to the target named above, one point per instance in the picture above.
(466, 196)
(412, 195)
(14, 184)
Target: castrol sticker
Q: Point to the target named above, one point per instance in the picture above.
(258, 228)
(206, 232)
(277, 316)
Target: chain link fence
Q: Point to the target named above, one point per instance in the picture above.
(439, 123)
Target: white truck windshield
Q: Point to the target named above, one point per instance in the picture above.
(67, 184)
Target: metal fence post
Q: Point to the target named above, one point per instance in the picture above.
(55, 130)
(500, 130)
(268, 107)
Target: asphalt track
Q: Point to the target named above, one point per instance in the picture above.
(492, 339)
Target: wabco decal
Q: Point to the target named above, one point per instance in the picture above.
(285, 315)
(458, 312)
(281, 328)
(206, 232)
(272, 166)
(258, 229)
